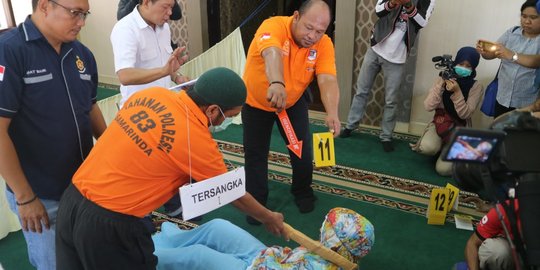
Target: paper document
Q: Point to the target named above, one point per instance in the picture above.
(463, 222)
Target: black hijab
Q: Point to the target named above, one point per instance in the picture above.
(465, 83)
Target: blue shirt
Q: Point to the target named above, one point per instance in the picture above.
(516, 82)
(48, 97)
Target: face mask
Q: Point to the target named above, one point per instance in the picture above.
(462, 71)
(224, 124)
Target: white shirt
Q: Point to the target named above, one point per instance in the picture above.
(393, 48)
(137, 45)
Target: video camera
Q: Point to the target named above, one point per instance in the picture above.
(506, 155)
(446, 65)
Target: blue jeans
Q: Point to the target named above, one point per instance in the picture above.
(393, 75)
(41, 247)
(217, 244)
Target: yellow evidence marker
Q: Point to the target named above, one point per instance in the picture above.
(438, 206)
(453, 197)
(323, 149)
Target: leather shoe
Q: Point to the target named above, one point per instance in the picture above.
(306, 205)
(345, 133)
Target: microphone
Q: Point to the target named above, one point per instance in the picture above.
(437, 58)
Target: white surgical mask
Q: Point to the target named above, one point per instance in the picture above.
(224, 124)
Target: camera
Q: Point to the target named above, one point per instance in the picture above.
(507, 156)
(446, 65)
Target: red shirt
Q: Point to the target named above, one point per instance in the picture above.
(490, 226)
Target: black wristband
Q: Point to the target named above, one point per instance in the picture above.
(278, 82)
(27, 202)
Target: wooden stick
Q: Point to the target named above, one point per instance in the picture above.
(318, 248)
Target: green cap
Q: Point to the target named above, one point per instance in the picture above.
(221, 86)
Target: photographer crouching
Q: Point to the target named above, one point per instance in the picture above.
(454, 97)
(507, 237)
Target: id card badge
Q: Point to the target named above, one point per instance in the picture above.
(205, 196)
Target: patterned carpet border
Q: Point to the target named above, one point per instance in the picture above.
(159, 218)
(366, 178)
(362, 177)
(357, 175)
(358, 196)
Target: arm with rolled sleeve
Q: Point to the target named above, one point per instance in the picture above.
(208, 154)
(276, 93)
(326, 73)
(329, 88)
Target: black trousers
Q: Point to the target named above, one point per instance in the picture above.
(258, 126)
(91, 237)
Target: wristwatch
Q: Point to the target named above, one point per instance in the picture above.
(515, 57)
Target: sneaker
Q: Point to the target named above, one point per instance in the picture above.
(345, 133)
(252, 221)
(388, 146)
(306, 205)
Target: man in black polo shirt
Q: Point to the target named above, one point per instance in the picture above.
(48, 114)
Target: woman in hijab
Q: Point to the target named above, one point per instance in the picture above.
(454, 101)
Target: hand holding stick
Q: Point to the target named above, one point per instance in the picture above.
(318, 248)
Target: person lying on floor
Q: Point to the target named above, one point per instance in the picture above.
(219, 244)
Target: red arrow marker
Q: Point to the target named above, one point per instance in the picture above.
(294, 144)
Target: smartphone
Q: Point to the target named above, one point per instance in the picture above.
(488, 46)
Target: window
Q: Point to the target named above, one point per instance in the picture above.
(13, 12)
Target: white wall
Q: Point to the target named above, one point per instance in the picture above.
(454, 24)
(95, 35)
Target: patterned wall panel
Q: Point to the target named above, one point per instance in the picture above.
(365, 18)
(179, 29)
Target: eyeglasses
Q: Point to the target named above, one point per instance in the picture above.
(74, 13)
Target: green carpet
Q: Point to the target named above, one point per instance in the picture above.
(13, 254)
(390, 189)
(362, 150)
(402, 240)
(106, 90)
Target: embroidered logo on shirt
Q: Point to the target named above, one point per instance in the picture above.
(484, 220)
(80, 65)
(2, 70)
(265, 36)
(312, 55)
